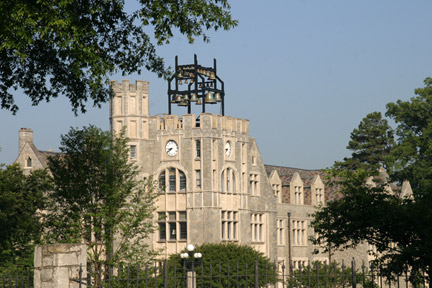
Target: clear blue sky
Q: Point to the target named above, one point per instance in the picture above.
(304, 72)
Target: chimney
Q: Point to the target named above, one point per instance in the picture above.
(25, 136)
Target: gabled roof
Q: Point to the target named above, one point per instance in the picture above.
(286, 174)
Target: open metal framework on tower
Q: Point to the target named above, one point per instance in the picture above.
(197, 84)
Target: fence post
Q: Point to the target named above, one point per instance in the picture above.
(256, 274)
(353, 272)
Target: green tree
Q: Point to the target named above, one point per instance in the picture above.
(398, 226)
(66, 47)
(370, 144)
(21, 200)
(98, 199)
(317, 275)
(413, 154)
(224, 265)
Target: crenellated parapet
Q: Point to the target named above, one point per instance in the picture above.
(206, 121)
(130, 99)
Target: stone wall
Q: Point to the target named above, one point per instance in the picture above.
(57, 265)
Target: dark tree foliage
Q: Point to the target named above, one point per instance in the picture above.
(317, 275)
(412, 157)
(69, 47)
(98, 199)
(21, 200)
(226, 265)
(370, 144)
(399, 227)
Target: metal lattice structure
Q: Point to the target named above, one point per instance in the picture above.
(193, 83)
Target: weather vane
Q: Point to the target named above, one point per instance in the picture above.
(195, 83)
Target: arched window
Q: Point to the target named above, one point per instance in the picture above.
(172, 180)
(29, 162)
(228, 181)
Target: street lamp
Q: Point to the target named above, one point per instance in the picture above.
(190, 260)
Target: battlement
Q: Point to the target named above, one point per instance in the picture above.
(130, 99)
(125, 85)
(205, 121)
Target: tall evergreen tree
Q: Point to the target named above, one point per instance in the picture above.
(370, 144)
(399, 227)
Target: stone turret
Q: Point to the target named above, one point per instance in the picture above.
(130, 99)
(129, 107)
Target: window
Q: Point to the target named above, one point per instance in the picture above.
(228, 181)
(173, 226)
(299, 232)
(319, 196)
(29, 162)
(162, 225)
(280, 232)
(253, 160)
(300, 263)
(172, 179)
(176, 180)
(298, 195)
(198, 178)
(277, 192)
(229, 225)
(257, 224)
(198, 148)
(133, 154)
(254, 184)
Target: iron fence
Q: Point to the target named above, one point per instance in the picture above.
(17, 279)
(313, 275)
(226, 274)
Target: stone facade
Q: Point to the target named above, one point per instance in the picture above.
(213, 184)
(58, 265)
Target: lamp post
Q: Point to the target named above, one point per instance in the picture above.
(189, 261)
(289, 242)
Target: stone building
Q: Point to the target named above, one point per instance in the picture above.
(214, 186)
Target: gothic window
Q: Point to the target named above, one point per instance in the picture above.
(172, 180)
(299, 232)
(229, 225)
(198, 178)
(280, 232)
(228, 181)
(319, 196)
(257, 226)
(198, 148)
(300, 263)
(133, 153)
(172, 226)
(298, 195)
(254, 184)
(277, 192)
(29, 162)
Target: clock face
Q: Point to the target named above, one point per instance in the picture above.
(171, 148)
(227, 148)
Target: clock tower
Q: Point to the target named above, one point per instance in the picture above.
(212, 183)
